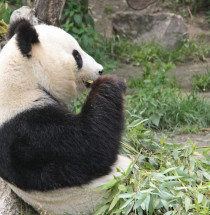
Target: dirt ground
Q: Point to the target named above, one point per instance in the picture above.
(201, 140)
(183, 73)
(103, 11)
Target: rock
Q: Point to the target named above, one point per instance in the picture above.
(166, 29)
(9, 203)
(24, 12)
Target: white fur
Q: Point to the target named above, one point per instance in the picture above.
(18, 85)
(62, 66)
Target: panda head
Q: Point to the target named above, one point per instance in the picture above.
(52, 57)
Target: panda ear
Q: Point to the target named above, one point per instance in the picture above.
(26, 35)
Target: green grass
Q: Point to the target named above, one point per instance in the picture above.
(170, 109)
(201, 82)
(127, 51)
(165, 106)
(155, 95)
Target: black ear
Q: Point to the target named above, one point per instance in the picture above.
(26, 35)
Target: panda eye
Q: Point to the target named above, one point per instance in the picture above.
(77, 58)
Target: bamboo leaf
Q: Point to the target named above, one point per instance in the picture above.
(171, 184)
(165, 204)
(101, 210)
(141, 198)
(114, 202)
(187, 203)
(126, 203)
(126, 195)
(200, 197)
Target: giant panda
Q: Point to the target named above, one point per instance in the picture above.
(50, 157)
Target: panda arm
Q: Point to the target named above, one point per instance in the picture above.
(59, 149)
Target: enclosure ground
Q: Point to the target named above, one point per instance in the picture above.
(103, 11)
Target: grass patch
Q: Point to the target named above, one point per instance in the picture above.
(137, 54)
(165, 106)
(170, 109)
(201, 82)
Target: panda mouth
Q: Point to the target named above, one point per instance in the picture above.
(88, 83)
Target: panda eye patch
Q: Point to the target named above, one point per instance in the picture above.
(77, 58)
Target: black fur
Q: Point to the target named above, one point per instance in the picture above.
(48, 147)
(26, 35)
(77, 58)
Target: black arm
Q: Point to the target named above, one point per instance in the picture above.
(52, 148)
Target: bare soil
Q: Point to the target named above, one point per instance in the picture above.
(200, 139)
(184, 72)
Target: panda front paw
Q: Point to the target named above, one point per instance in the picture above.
(110, 82)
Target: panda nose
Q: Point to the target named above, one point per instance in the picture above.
(100, 72)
